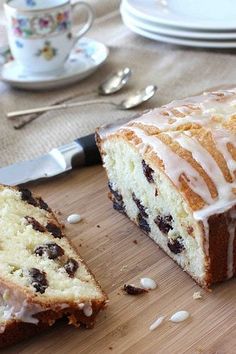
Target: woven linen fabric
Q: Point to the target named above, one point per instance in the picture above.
(177, 71)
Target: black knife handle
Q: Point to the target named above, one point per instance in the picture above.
(91, 152)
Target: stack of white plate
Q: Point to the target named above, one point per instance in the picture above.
(161, 21)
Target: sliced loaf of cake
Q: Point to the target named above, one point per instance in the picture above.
(42, 277)
(173, 172)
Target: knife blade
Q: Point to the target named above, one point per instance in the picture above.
(81, 152)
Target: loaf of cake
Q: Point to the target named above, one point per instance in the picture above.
(173, 172)
(42, 277)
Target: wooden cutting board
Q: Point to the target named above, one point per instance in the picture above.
(118, 252)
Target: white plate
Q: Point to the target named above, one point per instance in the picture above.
(154, 11)
(174, 31)
(87, 56)
(179, 41)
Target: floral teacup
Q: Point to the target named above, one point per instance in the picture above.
(39, 32)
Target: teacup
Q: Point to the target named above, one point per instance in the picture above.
(216, 10)
(40, 32)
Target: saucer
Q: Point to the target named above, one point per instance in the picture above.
(84, 59)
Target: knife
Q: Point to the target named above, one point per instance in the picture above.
(81, 152)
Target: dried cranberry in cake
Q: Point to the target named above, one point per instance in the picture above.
(119, 207)
(35, 224)
(38, 280)
(43, 204)
(71, 267)
(164, 223)
(26, 195)
(140, 206)
(54, 230)
(190, 230)
(116, 194)
(175, 245)
(143, 224)
(148, 172)
(52, 250)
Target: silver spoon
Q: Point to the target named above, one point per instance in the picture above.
(131, 101)
(115, 82)
(112, 84)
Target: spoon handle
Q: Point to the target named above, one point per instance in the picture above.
(16, 114)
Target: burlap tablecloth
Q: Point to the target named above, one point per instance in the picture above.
(178, 72)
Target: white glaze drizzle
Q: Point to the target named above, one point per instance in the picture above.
(24, 311)
(175, 165)
(203, 157)
(222, 138)
(148, 283)
(88, 310)
(156, 323)
(74, 218)
(179, 316)
(156, 119)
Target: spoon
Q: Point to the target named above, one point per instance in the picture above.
(115, 82)
(131, 101)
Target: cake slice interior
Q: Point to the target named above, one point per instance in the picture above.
(42, 276)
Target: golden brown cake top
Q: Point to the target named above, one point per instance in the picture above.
(194, 142)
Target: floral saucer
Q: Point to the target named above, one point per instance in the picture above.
(85, 58)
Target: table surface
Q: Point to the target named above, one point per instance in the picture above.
(118, 252)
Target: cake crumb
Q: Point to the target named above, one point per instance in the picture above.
(197, 295)
(133, 290)
(124, 267)
(135, 242)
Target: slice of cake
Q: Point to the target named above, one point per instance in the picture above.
(42, 277)
(173, 172)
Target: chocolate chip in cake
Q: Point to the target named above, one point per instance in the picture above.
(175, 245)
(116, 194)
(38, 280)
(26, 195)
(143, 224)
(35, 224)
(71, 267)
(133, 290)
(148, 172)
(43, 204)
(54, 230)
(141, 208)
(52, 250)
(164, 223)
(119, 206)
